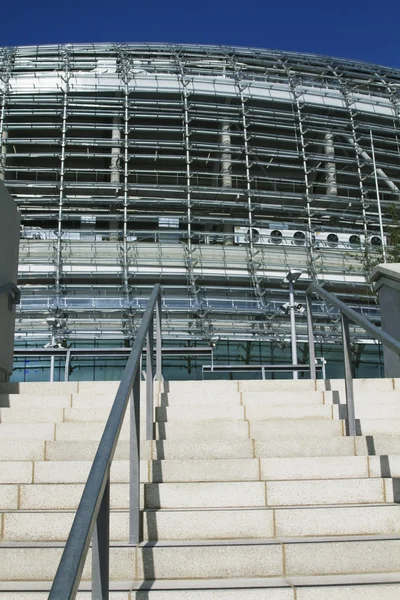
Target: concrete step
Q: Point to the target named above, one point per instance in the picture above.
(359, 385)
(271, 386)
(296, 427)
(160, 449)
(278, 446)
(163, 414)
(207, 494)
(278, 493)
(203, 560)
(200, 430)
(22, 450)
(297, 411)
(384, 586)
(209, 524)
(281, 398)
(325, 467)
(233, 399)
(32, 414)
(381, 410)
(362, 397)
(237, 469)
(35, 400)
(377, 444)
(39, 388)
(27, 431)
(298, 446)
(379, 426)
(273, 447)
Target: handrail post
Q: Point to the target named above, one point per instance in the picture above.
(67, 363)
(149, 383)
(92, 517)
(311, 340)
(348, 376)
(134, 466)
(101, 549)
(158, 339)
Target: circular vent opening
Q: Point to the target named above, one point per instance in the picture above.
(332, 240)
(355, 240)
(276, 236)
(376, 241)
(299, 238)
(253, 235)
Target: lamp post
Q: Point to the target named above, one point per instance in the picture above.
(291, 277)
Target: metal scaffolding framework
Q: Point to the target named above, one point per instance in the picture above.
(212, 170)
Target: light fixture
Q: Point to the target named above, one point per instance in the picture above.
(293, 275)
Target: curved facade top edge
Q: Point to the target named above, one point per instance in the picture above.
(210, 86)
(228, 49)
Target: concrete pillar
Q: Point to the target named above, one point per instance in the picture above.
(387, 283)
(9, 246)
(226, 172)
(115, 173)
(330, 177)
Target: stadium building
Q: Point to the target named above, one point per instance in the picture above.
(213, 170)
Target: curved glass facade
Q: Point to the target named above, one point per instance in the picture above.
(211, 169)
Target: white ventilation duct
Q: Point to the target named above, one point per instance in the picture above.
(329, 149)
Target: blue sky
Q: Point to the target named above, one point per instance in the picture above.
(366, 30)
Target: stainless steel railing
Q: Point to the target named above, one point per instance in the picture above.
(93, 515)
(346, 315)
(69, 353)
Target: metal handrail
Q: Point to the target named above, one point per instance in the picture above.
(93, 514)
(278, 368)
(14, 293)
(346, 314)
(70, 353)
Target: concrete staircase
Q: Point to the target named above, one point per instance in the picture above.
(251, 490)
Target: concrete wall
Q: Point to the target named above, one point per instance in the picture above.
(387, 282)
(9, 245)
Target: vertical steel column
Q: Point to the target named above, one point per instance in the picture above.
(5, 74)
(354, 138)
(134, 466)
(158, 339)
(126, 172)
(67, 363)
(378, 200)
(115, 173)
(58, 257)
(296, 95)
(311, 340)
(3, 143)
(101, 549)
(293, 328)
(348, 376)
(52, 357)
(61, 198)
(247, 165)
(187, 151)
(149, 383)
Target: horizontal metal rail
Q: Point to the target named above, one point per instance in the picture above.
(346, 315)
(70, 353)
(166, 351)
(93, 514)
(258, 368)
